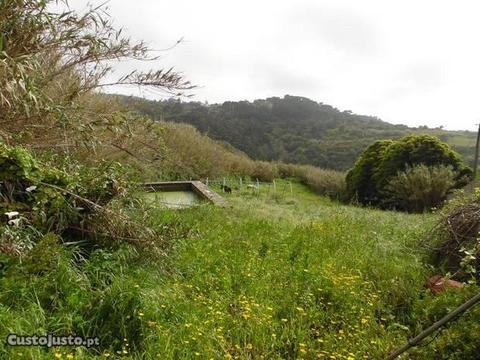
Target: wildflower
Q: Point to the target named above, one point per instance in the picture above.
(58, 355)
(141, 314)
(69, 356)
(11, 215)
(284, 320)
(249, 346)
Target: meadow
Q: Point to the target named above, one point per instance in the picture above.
(273, 276)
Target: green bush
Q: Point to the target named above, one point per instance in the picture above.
(383, 160)
(359, 179)
(457, 341)
(421, 187)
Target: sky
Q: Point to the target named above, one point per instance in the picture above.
(406, 62)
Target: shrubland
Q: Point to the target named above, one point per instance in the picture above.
(286, 274)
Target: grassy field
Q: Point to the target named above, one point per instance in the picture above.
(275, 276)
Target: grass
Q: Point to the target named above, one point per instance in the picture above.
(290, 277)
(284, 275)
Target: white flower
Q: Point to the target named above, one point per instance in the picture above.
(31, 188)
(14, 222)
(12, 214)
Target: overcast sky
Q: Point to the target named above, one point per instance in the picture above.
(409, 62)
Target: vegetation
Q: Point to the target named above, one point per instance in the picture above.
(282, 273)
(421, 187)
(454, 240)
(287, 276)
(293, 129)
(383, 176)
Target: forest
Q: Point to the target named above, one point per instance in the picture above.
(292, 129)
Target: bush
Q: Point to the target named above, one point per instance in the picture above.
(420, 188)
(324, 182)
(359, 179)
(454, 240)
(383, 160)
(459, 340)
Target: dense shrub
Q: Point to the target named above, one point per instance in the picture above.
(383, 160)
(359, 179)
(420, 188)
(76, 203)
(454, 243)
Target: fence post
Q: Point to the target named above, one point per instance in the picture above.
(240, 183)
(274, 187)
(291, 189)
(206, 181)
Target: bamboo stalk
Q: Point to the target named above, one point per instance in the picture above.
(443, 321)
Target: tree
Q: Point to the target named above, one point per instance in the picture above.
(51, 63)
(368, 180)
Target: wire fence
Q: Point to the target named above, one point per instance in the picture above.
(227, 185)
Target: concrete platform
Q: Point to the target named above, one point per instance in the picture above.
(197, 187)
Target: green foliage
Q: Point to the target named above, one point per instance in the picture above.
(414, 150)
(292, 129)
(455, 240)
(191, 155)
(420, 187)
(48, 199)
(43, 257)
(457, 341)
(368, 180)
(360, 179)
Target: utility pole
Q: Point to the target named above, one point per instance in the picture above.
(475, 161)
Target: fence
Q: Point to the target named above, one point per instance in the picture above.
(254, 186)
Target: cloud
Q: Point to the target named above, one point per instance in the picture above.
(339, 28)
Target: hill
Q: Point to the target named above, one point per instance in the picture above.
(292, 129)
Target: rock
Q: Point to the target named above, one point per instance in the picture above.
(438, 284)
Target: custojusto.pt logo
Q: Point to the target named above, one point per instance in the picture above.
(49, 340)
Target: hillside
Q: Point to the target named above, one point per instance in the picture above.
(284, 275)
(91, 267)
(292, 129)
